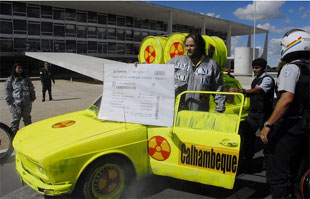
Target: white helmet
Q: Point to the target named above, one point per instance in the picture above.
(294, 42)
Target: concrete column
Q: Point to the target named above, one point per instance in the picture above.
(265, 52)
(249, 39)
(170, 23)
(228, 41)
(203, 31)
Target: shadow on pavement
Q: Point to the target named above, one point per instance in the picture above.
(66, 99)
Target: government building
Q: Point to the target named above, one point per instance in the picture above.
(106, 29)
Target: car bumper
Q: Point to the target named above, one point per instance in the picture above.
(39, 185)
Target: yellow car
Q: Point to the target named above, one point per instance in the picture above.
(77, 151)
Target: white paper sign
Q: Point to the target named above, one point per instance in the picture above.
(143, 94)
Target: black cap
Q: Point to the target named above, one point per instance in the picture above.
(259, 62)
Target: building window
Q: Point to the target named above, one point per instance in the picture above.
(137, 23)
(19, 44)
(46, 45)
(6, 45)
(120, 48)
(111, 48)
(111, 19)
(82, 47)
(70, 14)
(70, 30)
(46, 28)
(129, 49)
(19, 8)
(59, 30)
(81, 16)
(33, 11)
(129, 21)
(102, 19)
(20, 26)
(146, 24)
(137, 36)
(92, 47)
(59, 46)
(71, 46)
(5, 8)
(102, 48)
(6, 26)
(92, 17)
(46, 12)
(121, 21)
(136, 48)
(33, 45)
(120, 34)
(143, 35)
(102, 33)
(82, 31)
(33, 28)
(111, 33)
(153, 25)
(92, 32)
(59, 14)
(129, 35)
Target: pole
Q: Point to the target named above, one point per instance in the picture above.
(254, 41)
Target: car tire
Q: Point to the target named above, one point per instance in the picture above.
(107, 178)
(6, 138)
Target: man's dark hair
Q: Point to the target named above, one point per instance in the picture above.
(13, 72)
(259, 62)
(199, 41)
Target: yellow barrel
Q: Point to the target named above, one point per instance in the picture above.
(175, 46)
(222, 50)
(152, 50)
(210, 43)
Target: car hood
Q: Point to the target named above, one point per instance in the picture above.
(51, 135)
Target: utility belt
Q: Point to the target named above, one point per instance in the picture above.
(299, 123)
(256, 111)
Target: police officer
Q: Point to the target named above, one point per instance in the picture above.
(290, 119)
(46, 77)
(19, 95)
(197, 72)
(261, 100)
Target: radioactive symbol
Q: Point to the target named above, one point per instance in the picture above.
(63, 124)
(159, 148)
(149, 54)
(176, 49)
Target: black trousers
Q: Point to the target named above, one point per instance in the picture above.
(247, 132)
(287, 161)
(47, 87)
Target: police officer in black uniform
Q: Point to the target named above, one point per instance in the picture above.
(261, 100)
(290, 120)
(46, 77)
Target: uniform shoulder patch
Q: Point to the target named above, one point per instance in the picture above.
(286, 73)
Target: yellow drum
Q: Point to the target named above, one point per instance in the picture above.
(222, 49)
(152, 50)
(210, 43)
(175, 46)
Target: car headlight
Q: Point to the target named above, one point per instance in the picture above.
(40, 169)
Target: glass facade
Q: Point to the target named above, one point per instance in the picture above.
(57, 29)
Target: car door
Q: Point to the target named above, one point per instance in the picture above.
(201, 146)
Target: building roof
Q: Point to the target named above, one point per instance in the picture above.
(145, 10)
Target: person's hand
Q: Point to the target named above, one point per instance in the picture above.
(236, 90)
(264, 133)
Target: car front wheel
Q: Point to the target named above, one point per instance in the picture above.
(107, 178)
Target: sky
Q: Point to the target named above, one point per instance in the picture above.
(276, 16)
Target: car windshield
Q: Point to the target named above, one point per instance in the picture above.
(96, 105)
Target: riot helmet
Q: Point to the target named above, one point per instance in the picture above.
(295, 45)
